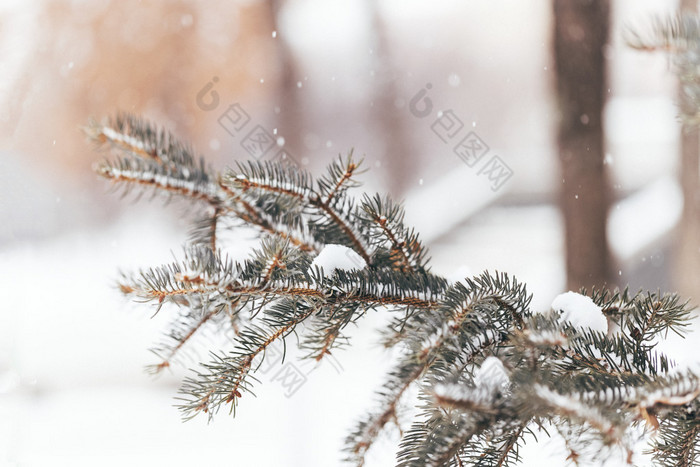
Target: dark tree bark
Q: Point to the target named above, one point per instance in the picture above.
(580, 34)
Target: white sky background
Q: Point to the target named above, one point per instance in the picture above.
(72, 389)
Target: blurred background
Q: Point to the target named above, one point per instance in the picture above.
(524, 137)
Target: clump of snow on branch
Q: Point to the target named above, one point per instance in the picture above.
(571, 406)
(334, 257)
(492, 375)
(491, 380)
(580, 311)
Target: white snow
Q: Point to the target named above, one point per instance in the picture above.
(459, 274)
(115, 135)
(573, 406)
(479, 396)
(492, 375)
(441, 205)
(631, 234)
(580, 311)
(97, 354)
(487, 243)
(453, 391)
(334, 257)
(491, 379)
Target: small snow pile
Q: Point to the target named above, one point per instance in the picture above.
(491, 382)
(492, 375)
(334, 257)
(580, 311)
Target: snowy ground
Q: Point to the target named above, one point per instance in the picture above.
(72, 389)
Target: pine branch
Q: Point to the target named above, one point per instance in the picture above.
(679, 36)
(204, 229)
(499, 449)
(276, 224)
(225, 378)
(571, 407)
(152, 157)
(338, 213)
(332, 212)
(140, 138)
(486, 366)
(468, 322)
(146, 174)
(182, 330)
(650, 315)
(677, 440)
(339, 179)
(270, 177)
(673, 34)
(385, 220)
(440, 440)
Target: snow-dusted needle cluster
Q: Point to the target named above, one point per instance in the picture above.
(488, 370)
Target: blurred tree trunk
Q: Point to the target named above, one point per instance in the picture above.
(687, 261)
(389, 126)
(580, 34)
(289, 119)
